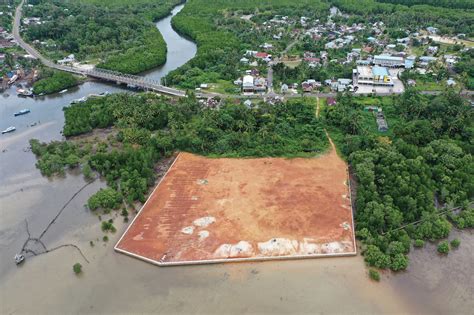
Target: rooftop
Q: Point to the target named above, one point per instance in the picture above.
(380, 71)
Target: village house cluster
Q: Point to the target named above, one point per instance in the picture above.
(375, 58)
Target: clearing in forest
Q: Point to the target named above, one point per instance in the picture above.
(208, 210)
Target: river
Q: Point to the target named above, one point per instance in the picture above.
(115, 283)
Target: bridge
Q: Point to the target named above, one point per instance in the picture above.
(136, 81)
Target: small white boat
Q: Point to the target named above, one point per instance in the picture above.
(9, 129)
(79, 100)
(13, 79)
(24, 92)
(19, 258)
(63, 91)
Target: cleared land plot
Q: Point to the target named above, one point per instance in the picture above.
(217, 210)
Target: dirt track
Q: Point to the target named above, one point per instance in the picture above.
(245, 209)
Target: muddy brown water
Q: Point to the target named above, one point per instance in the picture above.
(115, 283)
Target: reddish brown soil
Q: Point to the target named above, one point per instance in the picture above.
(302, 200)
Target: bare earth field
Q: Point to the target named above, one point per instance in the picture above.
(216, 210)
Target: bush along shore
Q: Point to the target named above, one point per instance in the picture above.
(52, 81)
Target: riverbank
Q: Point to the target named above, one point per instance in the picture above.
(120, 35)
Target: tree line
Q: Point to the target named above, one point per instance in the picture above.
(148, 127)
(120, 35)
(425, 166)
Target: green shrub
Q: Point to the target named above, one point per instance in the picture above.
(77, 268)
(105, 238)
(419, 243)
(399, 262)
(374, 274)
(106, 199)
(443, 247)
(108, 226)
(376, 258)
(455, 243)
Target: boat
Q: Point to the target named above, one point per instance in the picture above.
(79, 100)
(13, 79)
(22, 112)
(63, 91)
(24, 92)
(9, 129)
(19, 258)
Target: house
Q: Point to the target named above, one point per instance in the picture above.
(411, 82)
(343, 84)
(382, 125)
(432, 30)
(331, 101)
(204, 86)
(450, 60)
(267, 46)
(306, 86)
(68, 59)
(450, 82)
(248, 84)
(375, 76)
(432, 50)
(251, 53)
(261, 55)
(410, 62)
(328, 82)
(388, 61)
(405, 40)
(284, 88)
(371, 109)
(426, 60)
(244, 60)
(260, 85)
(248, 103)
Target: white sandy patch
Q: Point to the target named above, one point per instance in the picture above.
(307, 247)
(241, 249)
(278, 247)
(203, 235)
(335, 247)
(204, 221)
(138, 237)
(346, 226)
(188, 230)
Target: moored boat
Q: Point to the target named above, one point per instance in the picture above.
(9, 129)
(22, 112)
(63, 91)
(19, 258)
(24, 92)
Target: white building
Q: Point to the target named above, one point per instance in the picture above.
(247, 84)
(375, 76)
(388, 61)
